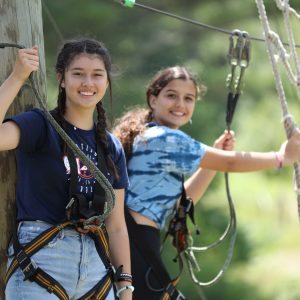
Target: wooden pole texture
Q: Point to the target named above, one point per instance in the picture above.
(20, 23)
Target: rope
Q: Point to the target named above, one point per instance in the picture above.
(238, 58)
(105, 184)
(287, 11)
(52, 21)
(289, 124)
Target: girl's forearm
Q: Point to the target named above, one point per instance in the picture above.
(231, 161)
(120, 255)
(197, 184)
(119, 249)
(8, 92)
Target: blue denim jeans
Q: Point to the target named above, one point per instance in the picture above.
(70, 258)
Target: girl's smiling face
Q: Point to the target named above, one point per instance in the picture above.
(174, 105)
(85, 81)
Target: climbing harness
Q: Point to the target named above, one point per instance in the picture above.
(275, 49)
(35, 274)
(81, 215)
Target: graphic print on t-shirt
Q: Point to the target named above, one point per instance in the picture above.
(86, 180)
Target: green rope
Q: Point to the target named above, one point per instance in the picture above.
(103, 181)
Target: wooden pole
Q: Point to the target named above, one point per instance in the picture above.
(20, 23)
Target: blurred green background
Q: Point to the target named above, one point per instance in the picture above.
(266, 261)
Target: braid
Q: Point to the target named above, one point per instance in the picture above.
(58, 115)
(67, 53)
(131, 124)
(102, 138)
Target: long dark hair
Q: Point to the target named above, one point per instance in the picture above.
(132, 123)
(65, 56)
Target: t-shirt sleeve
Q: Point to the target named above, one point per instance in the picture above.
(33, 129)
(118, 157)
(176, 151)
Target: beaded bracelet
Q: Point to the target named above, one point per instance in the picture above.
(125, 277)
(124, 288)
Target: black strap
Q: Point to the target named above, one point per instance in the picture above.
(80, 204)
(99, 191)
(150, 257)
(73, 172)
(22, 260)
(32, 273)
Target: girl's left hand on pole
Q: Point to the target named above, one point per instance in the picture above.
(27, 61)
(226, 141)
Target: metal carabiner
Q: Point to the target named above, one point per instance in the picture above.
(234, 53)
(238, 56)
(244, 60)
(245, 53)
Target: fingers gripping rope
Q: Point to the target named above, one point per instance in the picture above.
(105, 184)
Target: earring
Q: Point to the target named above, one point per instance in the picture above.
(191, 121)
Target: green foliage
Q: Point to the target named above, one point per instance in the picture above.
(141, 42)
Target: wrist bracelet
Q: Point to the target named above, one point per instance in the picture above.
(279, 159)
(125, 277)
(124, 288)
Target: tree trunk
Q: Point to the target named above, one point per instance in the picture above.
(21, 23)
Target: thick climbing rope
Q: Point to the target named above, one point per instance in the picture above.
(102, 180)
(284, 6)
(273, 43)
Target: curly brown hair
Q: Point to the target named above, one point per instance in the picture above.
(132, 123)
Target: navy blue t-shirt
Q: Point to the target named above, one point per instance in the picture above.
(43, 174)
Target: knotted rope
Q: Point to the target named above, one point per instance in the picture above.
(274, 44)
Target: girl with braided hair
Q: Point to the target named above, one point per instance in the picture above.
(159, 154)
(76, 263)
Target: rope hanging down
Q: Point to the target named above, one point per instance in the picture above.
(275, 47)
(238, 59)
(105, 184)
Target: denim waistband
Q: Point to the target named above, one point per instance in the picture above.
(44, 226)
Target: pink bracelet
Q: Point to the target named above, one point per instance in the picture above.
(279, 160)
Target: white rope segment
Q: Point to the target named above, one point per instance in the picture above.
(284, 6)
(273, 43)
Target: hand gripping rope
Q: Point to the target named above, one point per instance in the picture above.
(274, 43)
(105, 184)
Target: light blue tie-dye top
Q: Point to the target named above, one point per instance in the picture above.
(160, 156)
